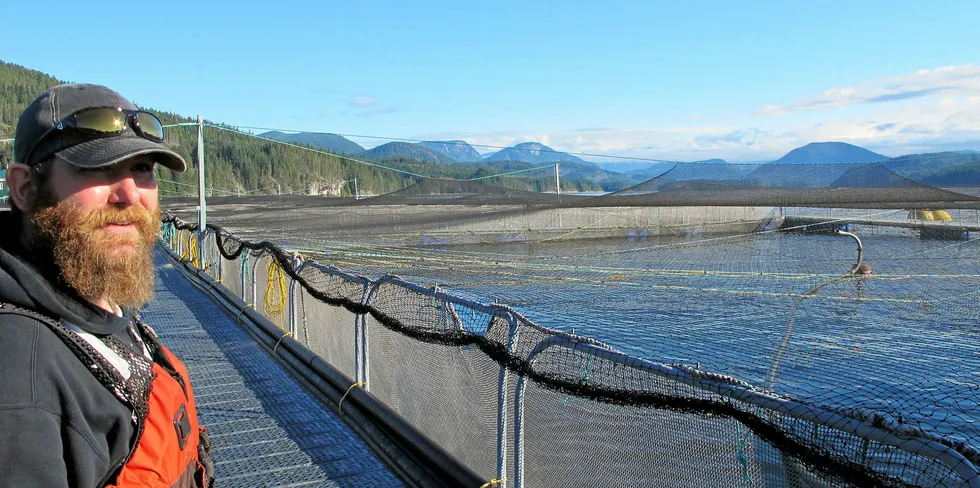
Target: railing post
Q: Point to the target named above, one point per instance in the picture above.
(298, 265)
(205, 251)
(502, 402)
(362, 356)
(519, 432)
(242, 270)
(202, 215)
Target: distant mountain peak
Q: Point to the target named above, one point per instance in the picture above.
(409, 151)
(457, 150)
(830, 152)
(322, 140)
(533, 152)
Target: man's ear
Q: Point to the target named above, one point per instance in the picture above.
(23, 192)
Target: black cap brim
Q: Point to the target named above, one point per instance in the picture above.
(111, 150)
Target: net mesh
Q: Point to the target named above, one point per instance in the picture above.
(613, 341)
(867, 185)
(418, 379)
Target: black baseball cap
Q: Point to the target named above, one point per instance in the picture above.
(77, 148)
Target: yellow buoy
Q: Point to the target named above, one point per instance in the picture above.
(921, 215)
(941, 215)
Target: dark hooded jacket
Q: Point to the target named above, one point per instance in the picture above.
(58, 425)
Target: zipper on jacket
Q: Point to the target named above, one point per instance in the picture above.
(116, 467)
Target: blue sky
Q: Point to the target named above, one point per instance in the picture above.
(744, 81)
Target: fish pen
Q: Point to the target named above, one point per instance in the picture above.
(685, 331)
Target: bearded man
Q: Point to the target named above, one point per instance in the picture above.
(88, 396)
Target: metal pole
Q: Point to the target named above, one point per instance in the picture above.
(502, 381)
(557, 182)
(860, 248)
(298, 265)
(355, 188)
(558, 194)
(366, 296)
(242, 268)
(202, 215)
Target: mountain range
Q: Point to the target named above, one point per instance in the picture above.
(442, 152)
(948, 168)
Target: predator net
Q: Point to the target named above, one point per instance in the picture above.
(710, 327)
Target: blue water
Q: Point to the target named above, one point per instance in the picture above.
(904, 341)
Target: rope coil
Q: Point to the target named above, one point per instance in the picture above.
(190, 252)
(276, 293)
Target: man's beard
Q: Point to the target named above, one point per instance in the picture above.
(99, 264)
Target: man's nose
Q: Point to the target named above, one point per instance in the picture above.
(124, 192)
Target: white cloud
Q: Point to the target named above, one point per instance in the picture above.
(924, 111)
(361, 101)
(367, 106)
(947, 81)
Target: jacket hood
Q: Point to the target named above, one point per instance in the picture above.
(26, 284)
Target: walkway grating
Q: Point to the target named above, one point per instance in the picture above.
(267, 430)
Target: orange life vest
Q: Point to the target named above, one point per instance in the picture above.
(167, 453)
(172, 450)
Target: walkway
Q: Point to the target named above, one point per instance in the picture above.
(267, 430)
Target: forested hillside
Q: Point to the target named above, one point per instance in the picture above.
(943, 168)
(331, 142)
(237, 163)
(18, 86)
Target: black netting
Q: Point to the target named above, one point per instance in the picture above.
(830, 379)
(436, 191)
(866, 185)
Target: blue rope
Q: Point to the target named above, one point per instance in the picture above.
(743, 440)
(169, 231)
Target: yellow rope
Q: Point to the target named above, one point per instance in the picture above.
(195, 257)
(280, 341)
(275, 292)
(494, 482)
(340, 405)
(190, 247)
(238, 318)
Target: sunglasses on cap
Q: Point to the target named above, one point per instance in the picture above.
(106, 122)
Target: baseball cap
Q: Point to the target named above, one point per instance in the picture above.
(78, 148)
